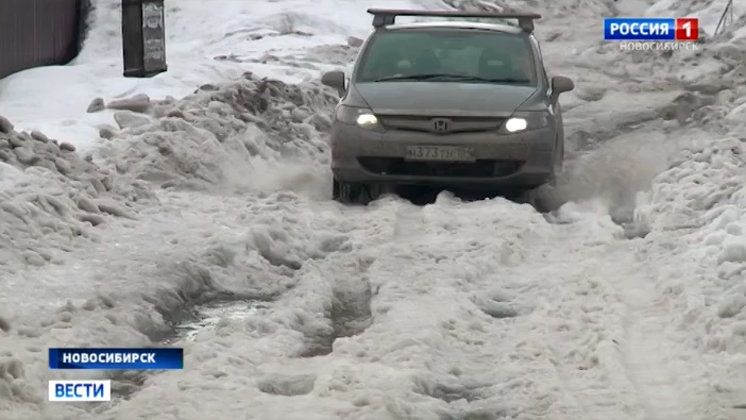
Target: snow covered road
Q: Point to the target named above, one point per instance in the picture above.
(629, 303)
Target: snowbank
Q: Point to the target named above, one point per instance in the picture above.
(226, 136)
(53, 197)
(252, 134)
(696, 213)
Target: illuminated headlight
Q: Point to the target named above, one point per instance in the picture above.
(516, 124)
(362, 117)
(366, 120)
(524, 121)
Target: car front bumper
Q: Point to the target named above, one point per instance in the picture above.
(511, 161)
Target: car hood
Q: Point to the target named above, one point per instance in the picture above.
(446, 99)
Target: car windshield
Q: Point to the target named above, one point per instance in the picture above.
(448, 55)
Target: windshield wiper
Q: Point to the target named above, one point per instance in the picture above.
(459, 77)
(496, 80)
(414, 77)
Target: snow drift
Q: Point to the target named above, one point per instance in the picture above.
(231, 136)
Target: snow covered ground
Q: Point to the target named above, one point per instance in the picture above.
(627, 303)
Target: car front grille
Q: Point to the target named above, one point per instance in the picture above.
(487, 168)
(455, 124)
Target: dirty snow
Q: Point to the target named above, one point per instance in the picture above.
(193, 209)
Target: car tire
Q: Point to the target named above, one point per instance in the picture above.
(353, 192)
(546, 198)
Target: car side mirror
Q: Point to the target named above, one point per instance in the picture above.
(562, 84)
(335, 79)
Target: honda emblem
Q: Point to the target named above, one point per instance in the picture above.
(441, 125)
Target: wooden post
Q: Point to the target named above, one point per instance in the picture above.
(143, 38)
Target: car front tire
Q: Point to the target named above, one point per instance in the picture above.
(547, 197)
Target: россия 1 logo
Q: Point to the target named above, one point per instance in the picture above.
(653, 33)
(651, 29)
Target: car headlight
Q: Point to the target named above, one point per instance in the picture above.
(366, 120)
(362, 117)
(525, 121)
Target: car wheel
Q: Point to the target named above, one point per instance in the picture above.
(545, 199)
(353, 192)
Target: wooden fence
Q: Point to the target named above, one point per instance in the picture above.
(37, 33)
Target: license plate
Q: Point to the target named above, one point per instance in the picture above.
(441, 153)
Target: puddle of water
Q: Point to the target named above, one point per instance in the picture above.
(208, 316)
(201, 318)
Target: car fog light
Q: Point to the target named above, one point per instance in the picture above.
(516, 124)
(366, 120)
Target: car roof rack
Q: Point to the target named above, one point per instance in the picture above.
(385, 17)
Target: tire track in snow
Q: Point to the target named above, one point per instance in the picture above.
(668, 379)
(665, 380)
(629, 366)
(410, 222)
(645, 357)
(584, 317)
(557, 274)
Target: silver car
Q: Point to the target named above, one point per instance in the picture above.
(453, 103)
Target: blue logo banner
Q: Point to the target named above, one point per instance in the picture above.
(116, 358)
(639, 29)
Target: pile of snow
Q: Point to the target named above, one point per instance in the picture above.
(696, 216)
(252, 134)
(51, 196)
(225, 135)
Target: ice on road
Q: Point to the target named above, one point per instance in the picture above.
(199, 216)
